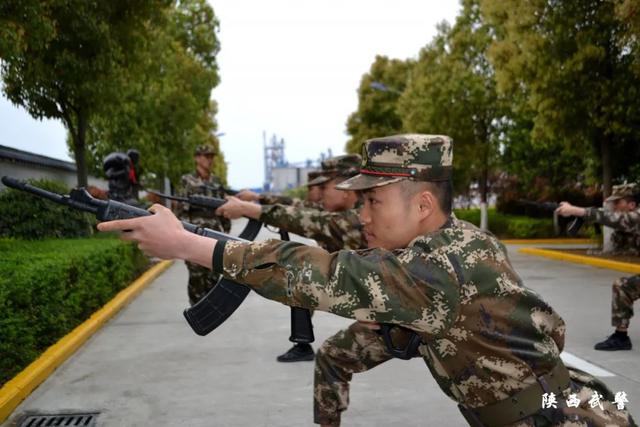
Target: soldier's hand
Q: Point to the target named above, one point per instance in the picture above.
(248, 196)
(567, 209)
(236, 208)
(160, 235)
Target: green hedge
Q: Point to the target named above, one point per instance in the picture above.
(49, 287)
(25, 216)
(510, 226)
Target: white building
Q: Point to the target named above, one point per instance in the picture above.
(286, 177)
(25, 165)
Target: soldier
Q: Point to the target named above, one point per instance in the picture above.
(202, 182)
(118, 168)
(313, 199)
(334, 228)
(625, 219)
(492, 344)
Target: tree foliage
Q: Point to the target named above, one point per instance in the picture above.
(67, 59)
(166, 111)
(453, 92)
(377, 104)
(571, 65)
(119, 74)
(543, 95)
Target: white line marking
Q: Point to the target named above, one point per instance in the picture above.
(583, 365)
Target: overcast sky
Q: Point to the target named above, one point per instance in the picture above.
(287, 67)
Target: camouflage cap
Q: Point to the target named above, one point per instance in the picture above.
(312, 176)
(347, 165)
(410, 156)
(622, 191)
(205, 149)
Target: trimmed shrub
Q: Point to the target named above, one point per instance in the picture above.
(49, 287)
(510, 226)
(25, 216)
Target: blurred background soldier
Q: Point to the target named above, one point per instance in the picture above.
(121, 175)
(312, 200)
(204, 183)
(624, 218)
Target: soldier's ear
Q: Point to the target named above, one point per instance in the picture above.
(426, 203)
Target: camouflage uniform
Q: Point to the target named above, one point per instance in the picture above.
(332, 230)
(201, 279)
(627, 225)
(277, 199)
(486, 338)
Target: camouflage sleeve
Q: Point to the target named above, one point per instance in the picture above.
(624, 221)
(276, 199)
(324, 227)
(372, 285)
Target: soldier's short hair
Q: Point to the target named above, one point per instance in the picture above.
(442, 191)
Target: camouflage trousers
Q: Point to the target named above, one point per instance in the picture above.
(359, 349)
(625, 291)
(201, 281)
(352, 350)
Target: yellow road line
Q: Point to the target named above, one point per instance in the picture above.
(20, 386)
(548, 241)
(581, 259)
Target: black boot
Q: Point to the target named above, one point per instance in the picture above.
(616, 341)
(297, 353)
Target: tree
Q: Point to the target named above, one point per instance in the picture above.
(571, 64)
(453, 92)
(165, 110)
(67, 59)
(378, 95)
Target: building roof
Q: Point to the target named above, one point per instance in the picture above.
(19, 156)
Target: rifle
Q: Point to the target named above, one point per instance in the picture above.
(194, 199)
(574, 222)
(301, 326)
(224, 298)
(215, 307)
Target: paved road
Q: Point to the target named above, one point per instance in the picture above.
(147, 368)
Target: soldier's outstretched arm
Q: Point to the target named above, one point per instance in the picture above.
(624, 221)
(372, 285)
(619, 220)
(322, 226)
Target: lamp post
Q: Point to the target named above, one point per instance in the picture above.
(383, 88)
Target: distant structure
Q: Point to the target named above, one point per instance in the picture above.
(26, 165)
(279, 174)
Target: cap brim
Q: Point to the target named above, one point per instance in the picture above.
(365, 182)
(318, 180)
(613, 198)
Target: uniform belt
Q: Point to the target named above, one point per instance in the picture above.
(524, 403)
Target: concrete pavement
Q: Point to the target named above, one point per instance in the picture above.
(146, 367)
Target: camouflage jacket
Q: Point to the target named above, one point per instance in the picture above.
(276, 199)
(626, 238)
(333, 231)
(485, 335)
(212, 187)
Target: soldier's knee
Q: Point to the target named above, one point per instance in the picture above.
(619, 284)
(324, 352)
